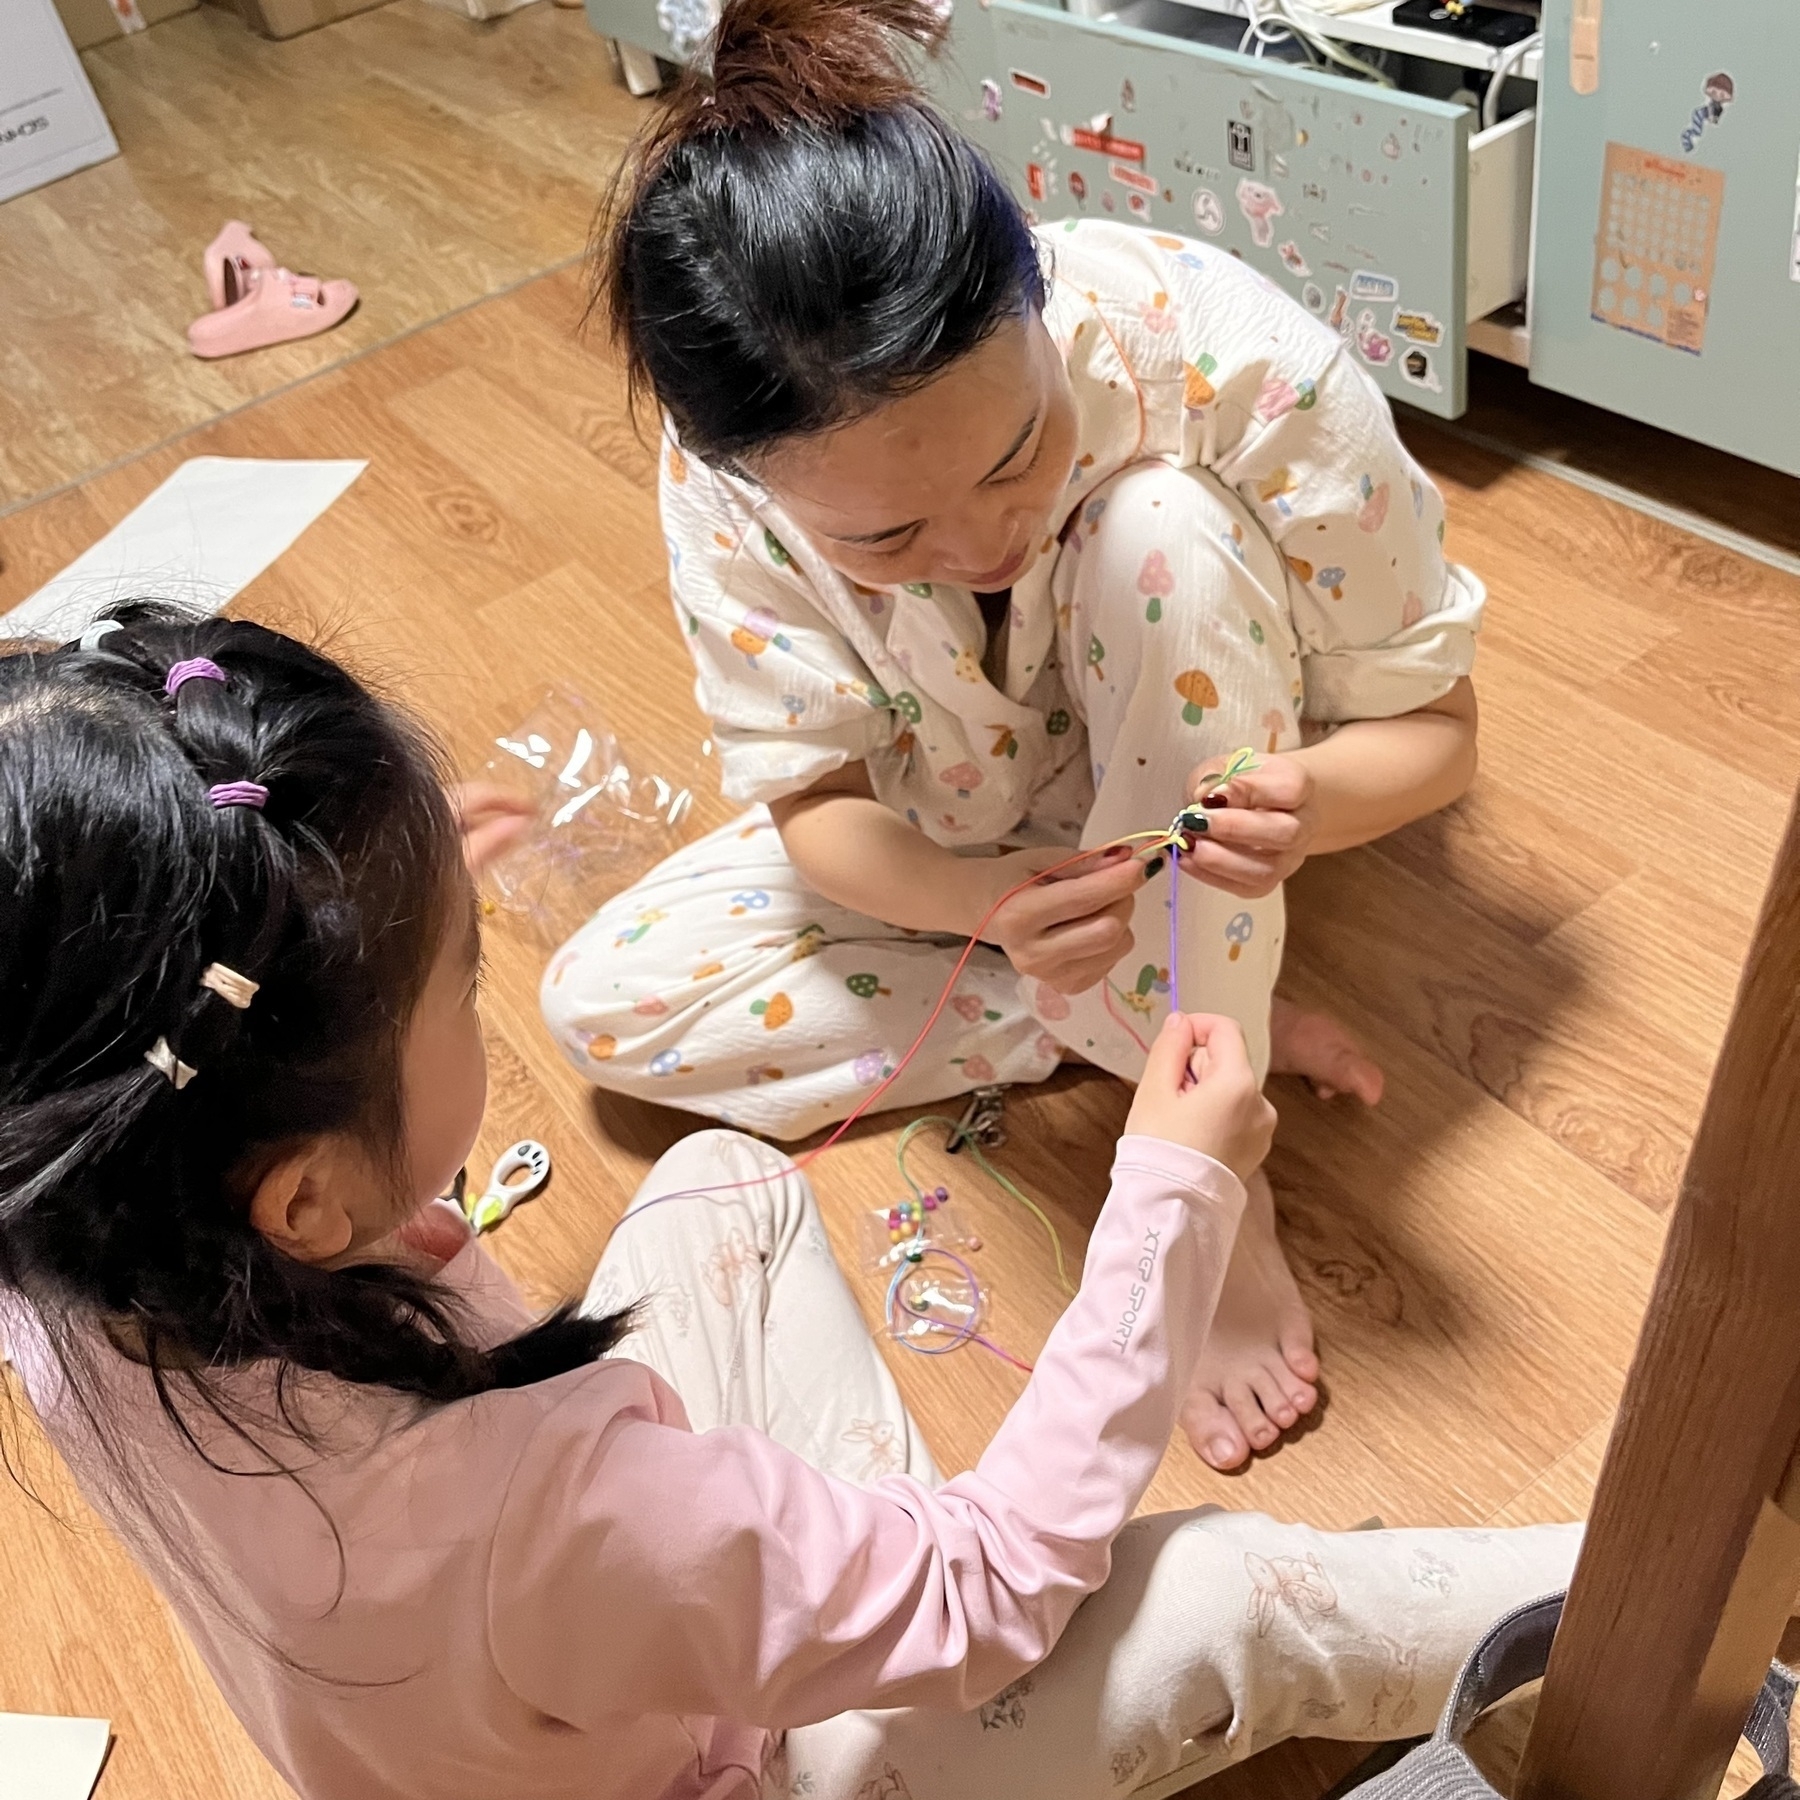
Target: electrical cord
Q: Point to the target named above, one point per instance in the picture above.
(1271, 22)
(1513, 56)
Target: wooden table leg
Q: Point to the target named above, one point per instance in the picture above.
(1693, 1553)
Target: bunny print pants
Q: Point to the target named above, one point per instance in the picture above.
(1216, 1635)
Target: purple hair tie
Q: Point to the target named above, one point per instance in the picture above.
(196, 668)
(238, 793)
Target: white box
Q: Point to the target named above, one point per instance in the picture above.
(50, 122)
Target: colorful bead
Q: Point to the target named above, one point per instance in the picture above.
(906, 1219)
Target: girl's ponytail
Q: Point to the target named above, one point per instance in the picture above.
(225, 871)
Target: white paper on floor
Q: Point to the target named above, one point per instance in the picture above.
(51, 1759)
(202, 537)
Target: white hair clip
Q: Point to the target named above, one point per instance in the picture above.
(231, 987)
(164, 1060)
(90, 639)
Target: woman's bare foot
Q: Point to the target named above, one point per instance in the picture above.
(1258, 1373)
(1318, 1047)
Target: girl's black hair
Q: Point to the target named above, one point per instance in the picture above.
(124, 1199)
(798, 236)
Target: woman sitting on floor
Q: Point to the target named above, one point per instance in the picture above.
(987, 543)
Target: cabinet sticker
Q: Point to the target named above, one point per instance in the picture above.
(1654, 245)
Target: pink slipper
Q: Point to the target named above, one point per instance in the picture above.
(278, 307)
(229, 260)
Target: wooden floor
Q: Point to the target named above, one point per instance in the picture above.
(1545, 970)
(430, 159)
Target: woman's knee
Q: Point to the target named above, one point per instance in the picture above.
(590, 1037)
(1166, 533)
(606, 1008)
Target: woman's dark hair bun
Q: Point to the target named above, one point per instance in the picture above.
(799, 235)
(776, 63)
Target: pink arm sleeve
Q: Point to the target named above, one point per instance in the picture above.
(640, 1568)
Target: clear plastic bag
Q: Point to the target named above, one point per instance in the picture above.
(937, 1304)
(598, 823)
(934, 1297)
(886, 1234)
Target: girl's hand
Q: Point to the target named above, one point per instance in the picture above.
(1069, 929)
(1199, 1090)
(1260, 826)
(491, 819)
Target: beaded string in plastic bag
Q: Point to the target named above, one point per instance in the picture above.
(899, 1310)
(930, 1265)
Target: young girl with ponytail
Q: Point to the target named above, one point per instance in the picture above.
(681, 1543)
(988, 542)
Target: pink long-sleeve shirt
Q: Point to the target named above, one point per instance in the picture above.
(561, 1592)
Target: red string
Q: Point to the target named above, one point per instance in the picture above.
(899, 1069)
(937, 1012)
(1112, 1012)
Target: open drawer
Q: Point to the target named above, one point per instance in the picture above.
(1381, 211)
(1385, 212)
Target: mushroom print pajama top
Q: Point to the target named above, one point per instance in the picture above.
(1244, 541)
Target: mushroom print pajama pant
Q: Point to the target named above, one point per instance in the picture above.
(723, 985)
(1216, 1635)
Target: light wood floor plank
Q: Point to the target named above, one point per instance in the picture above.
(431, 160)
(1734, 702)
(1543, 971)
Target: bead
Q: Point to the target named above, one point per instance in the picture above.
(931, 1202)
(943, 1194)
(974, 1243)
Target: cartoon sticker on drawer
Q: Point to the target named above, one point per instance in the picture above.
(1417, 327)
(1260, 206)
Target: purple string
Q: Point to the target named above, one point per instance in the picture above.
(961, 1333)
(958, 1334)
(195, 668)
(1174, 928)
(238, 793)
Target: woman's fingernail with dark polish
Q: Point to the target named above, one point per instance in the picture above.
(1215, 798)
(1153, 867)
(1199, 824)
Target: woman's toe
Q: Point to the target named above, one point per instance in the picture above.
(1252, 1421)
(1214, 1433)
(1302, 1360)
(1276, 1406)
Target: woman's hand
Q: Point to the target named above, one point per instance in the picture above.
(1069, 929)
(1199, 1090)
(1260, 826)
(491, 820)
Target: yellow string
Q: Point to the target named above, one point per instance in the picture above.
(1240, 762)
(994, 1175)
